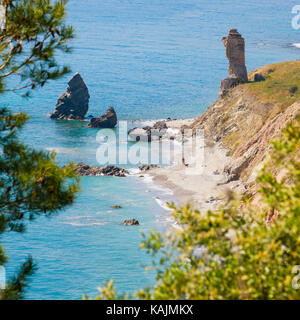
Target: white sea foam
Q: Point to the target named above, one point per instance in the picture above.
(162, 191)
(296, 45)
(148, 179)
(78, 217)
(162, 203)
(172, 131)
(160, 194)
(134, 171)
(140, 123)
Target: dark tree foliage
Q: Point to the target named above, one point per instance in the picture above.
(31, 183)
(33, 33)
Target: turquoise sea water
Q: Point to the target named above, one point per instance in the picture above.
(150, 60)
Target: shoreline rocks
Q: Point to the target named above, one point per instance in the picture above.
(84, 169)
(108, 120)
(147, 167)
(148, 133)
(74, 103)
(138, 134)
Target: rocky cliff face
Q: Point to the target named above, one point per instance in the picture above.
(251, 115)
(74, 103)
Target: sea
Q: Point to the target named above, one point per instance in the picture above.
(150, 60)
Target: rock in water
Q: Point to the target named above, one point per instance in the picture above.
(74, 103)
(132, 222)
(235, 52)
(83, 169)
(117, 207)
(108, 120)
(114, 171)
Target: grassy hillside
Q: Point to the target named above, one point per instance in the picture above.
(282, 84)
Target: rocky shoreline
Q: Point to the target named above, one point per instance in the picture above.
(84, 169)
(201, 188)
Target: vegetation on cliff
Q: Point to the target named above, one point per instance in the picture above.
(281, 85)
(236, 252)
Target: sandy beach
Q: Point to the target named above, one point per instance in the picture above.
(202, 186)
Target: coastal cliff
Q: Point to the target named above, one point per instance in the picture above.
(239, 128)
(251, 115)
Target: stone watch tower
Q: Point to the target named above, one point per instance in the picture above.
(235, 52)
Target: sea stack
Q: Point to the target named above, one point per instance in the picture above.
(235, 52)
(108, 120)
(74, 103)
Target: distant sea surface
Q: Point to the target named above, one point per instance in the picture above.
(150, 60)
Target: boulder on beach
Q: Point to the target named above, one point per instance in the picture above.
(160, 125)
(74, 103)
(147, 167)
(84, 169)
(149, 133)
(139, 134)
(108, 120)
(132, 222)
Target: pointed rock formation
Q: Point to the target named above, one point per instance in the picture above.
(235, 52)
(108, 120)
(74, 103)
